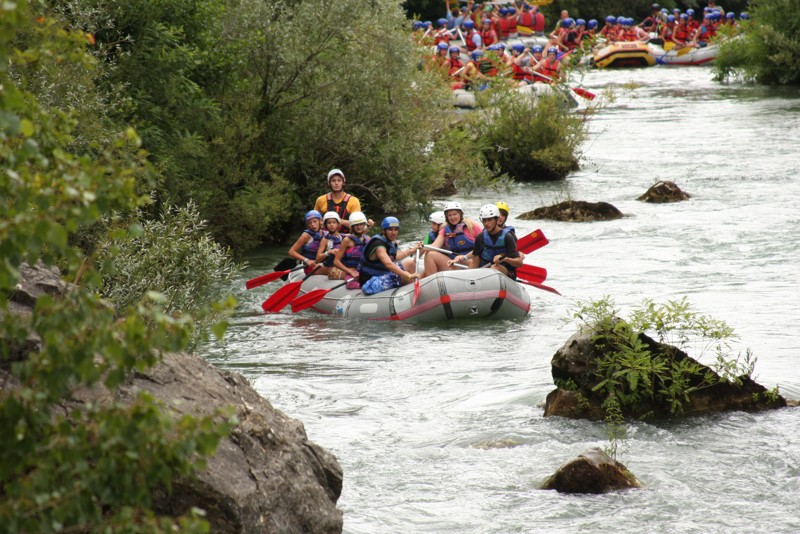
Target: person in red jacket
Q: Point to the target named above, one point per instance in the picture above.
(550, 66)
(488, 35)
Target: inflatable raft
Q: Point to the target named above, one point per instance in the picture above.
(686, 55)
(466, 99)
(624, 55)
(468, 294)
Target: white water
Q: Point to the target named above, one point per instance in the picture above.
(439, 428)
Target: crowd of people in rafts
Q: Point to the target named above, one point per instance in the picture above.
(336, 243)
(482, 32)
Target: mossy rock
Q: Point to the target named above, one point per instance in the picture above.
(575, 211)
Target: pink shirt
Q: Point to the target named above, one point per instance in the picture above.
(471, 234)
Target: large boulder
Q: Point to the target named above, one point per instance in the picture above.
(574, 368)
(593, 471)
(575, 211)
(267, 476)
(662, 192)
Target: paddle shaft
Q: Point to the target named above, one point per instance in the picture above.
(580, 91)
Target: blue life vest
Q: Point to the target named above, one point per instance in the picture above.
(493, 247)
(352, 256)
(376, 267)
(310, 248)
(457, 241)
(431, 237)
(334, 242)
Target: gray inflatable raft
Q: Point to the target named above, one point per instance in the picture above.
(466, 294)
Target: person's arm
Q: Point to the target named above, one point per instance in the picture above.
(322, 251)
(321, 205)
(294, 251)
(513, 257)
(347, 243)
(477, 249)
(387, 262)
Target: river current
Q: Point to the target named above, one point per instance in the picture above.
(439, 428)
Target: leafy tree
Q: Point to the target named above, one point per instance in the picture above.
(768, 49)
(65, 465)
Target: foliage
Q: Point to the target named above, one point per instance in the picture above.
(67, 465)
(530, 139)
(768, 50)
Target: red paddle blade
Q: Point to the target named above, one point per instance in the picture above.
(264, 279)
(588, 95)
(538, 285)
(309, 299)
(281, 297)
(532, 272)
(533, 241)
(416, 292)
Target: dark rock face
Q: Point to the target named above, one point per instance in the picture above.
(662, 192)
(574, 365)
(575, 211)
(266, 477)
(591, 472)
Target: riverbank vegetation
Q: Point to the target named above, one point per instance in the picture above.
(768, 50)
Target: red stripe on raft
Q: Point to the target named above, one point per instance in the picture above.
(445, 299)
(477, 295)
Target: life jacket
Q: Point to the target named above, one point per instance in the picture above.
(525, 20)
(494, 246)
(630, 35)
(669, 32)
(442, 36)
(487, 67)
(551, 69)
(352, 256)
(334, 242)
(310, 248)
(339, 207)
(468, 40)
(649, 24)
(455, 64)
(376, 267)
(538, 25)
(489, 37)
(504, 28)
(571, 40)
(512, 25)
(681, 33)
(519, 73)
(705, 36)
(431, 237)
(456, 240)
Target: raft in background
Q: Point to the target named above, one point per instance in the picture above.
(468, 294)
(624, 55)
(684, 55)
(466, 99)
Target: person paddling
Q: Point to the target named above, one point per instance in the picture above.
(495, 246)
(330, 242)
(307, 245)
(457, 235)
(348, 257)
(379, 269)
(337, 200)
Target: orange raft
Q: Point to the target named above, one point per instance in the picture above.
(624, 55)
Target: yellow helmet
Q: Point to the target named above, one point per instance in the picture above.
(503, 206)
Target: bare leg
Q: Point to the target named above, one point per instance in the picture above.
(435, 262)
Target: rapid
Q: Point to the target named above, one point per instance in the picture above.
(439, 428)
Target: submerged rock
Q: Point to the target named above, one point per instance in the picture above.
(575, 211)
(574, 368)
(662, 192)
(593, 471)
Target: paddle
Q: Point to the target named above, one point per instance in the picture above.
(580, 91)
(285, 295)
(312, 297)
(532, 272)
(416, 281)
(269, 277)
(537, 285)
(533, 241)
(437, 249)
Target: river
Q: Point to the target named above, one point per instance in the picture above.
(439, 428)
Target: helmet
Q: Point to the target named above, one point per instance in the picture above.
(494, 47)
(427, 24)
(442, 46)
(390, 222)
(684, 16)
(489, 211)
(476, 54)
(592, 24)
(716, 15)
(664, 10)
(744, 15)
(469, 24)
(331, 215)
(485, 20)
(567, 22)
(655, 6)
(690, 12)
(537, 48)
(417, 25)
(611, 19)
(518, 47)
(357, 217)
(334, 172)
(670, 18)
(454, 49)
(502, 46)
(552, 50)
(676, 10)
(580, 22)
(730, 15)
(441, 22)
(437, 217)
(512, 10)
(313, 214)
(502, 206)
(452, 206)
(503, 11)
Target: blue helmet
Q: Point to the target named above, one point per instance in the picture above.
(476, 54)
(494, 47)
(684, 16)
(580, 22)
(441, 22)
(537, 48)
(469, 24)
(744, 15)
(518, 47)
(503, 11)
(390, 222)
(655, 7)
(730, 15)
(567, 22)
(611, 19)
(313, 214)
(690, 12)
(417, 25)
(454, 48)
(552, 50)
(671, 18)
(427, 24)
(592, 24)
(441, 46)
(512, 10)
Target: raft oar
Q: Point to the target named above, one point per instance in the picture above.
(533, 241)
(580, 91)
(285, 295)
(269, 277)
(532, 272)
(312, 297)
(416, 281)
(537, 285)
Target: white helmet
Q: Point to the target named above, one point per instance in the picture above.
(489, 211)
(437, 217)
(357, 217)
(331, 215)
(452, 206)
(334, 172)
